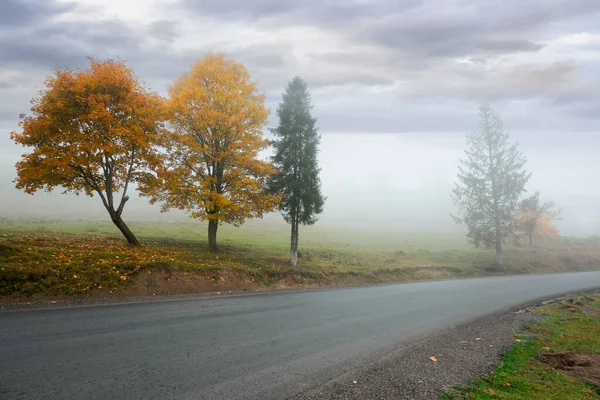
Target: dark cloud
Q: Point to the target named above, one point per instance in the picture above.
(475, 29)
(516, 14)
(47, 45)
(327, 13)
(241, 9)
(163, 30)
(36, 50)
(434, 37)
(50, 44)
(15, 13)
(501, 46)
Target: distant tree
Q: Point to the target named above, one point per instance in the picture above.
(91, 131)
(296, 148)
(211, 166)
(491, 179)
(535, 219)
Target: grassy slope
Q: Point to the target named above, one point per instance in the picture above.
(82, 256)
(522, 377)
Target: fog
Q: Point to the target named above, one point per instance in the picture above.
(395, 90)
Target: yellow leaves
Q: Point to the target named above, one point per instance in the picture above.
(212, 169)
(433, 359)
(536, 219)
(85, 120)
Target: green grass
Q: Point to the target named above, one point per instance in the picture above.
(33, 255)
(522, 377)
(260, 233)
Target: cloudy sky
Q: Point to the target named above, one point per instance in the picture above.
(396, 85)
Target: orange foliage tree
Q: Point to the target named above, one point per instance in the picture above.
(535, 219)
(211, 166)
(92, 131)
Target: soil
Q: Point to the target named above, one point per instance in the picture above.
(580, 306)
(585, 367)
(593, 311)
(164, 282)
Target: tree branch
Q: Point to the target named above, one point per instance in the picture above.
(124, 196)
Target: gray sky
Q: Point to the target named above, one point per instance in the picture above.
(396, 84)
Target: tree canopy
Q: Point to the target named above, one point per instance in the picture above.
(296, 148)
(211, 167)
(491, 179)
(535, 219)
(91, 131)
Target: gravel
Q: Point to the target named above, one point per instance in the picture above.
(464, 353)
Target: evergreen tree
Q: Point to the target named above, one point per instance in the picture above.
(296, 147)
(491, 179)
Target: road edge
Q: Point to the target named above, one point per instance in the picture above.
(463, 353)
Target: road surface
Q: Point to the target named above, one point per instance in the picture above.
(265, 346)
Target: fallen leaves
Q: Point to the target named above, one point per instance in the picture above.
(72, 264)
(433, 359)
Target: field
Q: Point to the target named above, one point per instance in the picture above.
(558, 358)
(56, 258)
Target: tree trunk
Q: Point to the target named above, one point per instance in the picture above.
(212, 234)
(530, 240)
(294, 243)
(499, 260)
(295, 260)
(118, 221)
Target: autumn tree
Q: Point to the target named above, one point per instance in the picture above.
(92, 131)
(296, 148)
(211, 166)
(535, 219)
(491, 179)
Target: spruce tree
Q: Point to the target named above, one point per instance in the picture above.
(491, 179)
(296, 147)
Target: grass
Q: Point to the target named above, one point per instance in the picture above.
(521, 376)
(262, 233)
(79, 257)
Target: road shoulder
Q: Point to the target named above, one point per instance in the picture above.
(429, 368)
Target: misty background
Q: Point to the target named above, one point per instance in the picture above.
(395, 88)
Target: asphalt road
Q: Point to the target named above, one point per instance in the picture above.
(265, 346)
